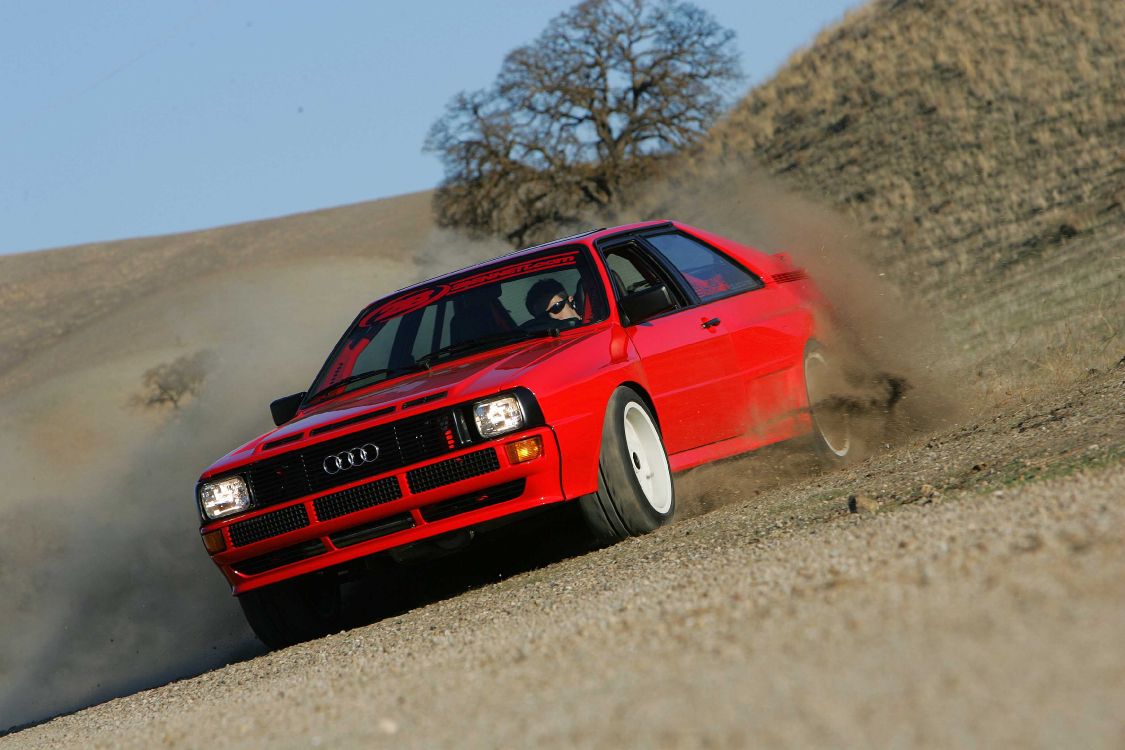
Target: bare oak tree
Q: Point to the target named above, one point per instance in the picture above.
(607, 90)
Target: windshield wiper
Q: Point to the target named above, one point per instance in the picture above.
(388, 371)
(427, 360)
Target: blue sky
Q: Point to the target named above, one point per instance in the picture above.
(126, 118)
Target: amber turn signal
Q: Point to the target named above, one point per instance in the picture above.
(214, 542)
(524, 450)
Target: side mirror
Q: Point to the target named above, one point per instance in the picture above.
(640, 306)
(284, 409)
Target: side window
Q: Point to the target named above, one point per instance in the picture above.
(708, 273)
(630, 271)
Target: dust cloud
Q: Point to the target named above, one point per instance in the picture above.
(896, 359)
(106, 587)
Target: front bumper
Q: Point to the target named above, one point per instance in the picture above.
(475, 485)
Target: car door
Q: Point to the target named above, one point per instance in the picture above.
(689, 361)
(767, 335)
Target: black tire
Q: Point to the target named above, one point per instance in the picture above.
(294, 611)
(834, 435)
(635, 493)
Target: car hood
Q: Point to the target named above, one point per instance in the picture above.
(452, 382)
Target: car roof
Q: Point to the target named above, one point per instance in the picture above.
(585, 238)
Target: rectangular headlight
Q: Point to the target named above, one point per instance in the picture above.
(224, 497)
(496, 416)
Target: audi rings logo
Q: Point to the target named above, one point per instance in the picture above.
(349, 459)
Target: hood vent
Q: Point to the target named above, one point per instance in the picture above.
(282, 441)
(353, 420)
(425, 399)
(787, 276)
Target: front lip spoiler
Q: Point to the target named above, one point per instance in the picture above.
(240, 584)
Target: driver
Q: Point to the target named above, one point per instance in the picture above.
(548, 298)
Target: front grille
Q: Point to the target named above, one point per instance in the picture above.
(271, 560)
(270, 524)
(357, 498)
(277, 479)
(425, 436)
(291, 475)
(453, 470)
(465, 503)
(379, 528)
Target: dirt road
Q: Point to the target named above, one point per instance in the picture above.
(974, 597)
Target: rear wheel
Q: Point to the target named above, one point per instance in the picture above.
(293, 611)
(834, 429)
(635, 492)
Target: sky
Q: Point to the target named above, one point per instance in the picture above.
(128, 118)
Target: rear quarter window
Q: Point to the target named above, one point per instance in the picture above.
(710, 274)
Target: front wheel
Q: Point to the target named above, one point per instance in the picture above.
(293, 611)
(635, 491)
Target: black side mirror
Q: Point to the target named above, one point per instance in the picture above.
(284, 409)
(640, 306)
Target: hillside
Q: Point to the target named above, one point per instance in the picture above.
(968, 137)
(49, 294)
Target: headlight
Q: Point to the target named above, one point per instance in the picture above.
(498, 415)
(224, 497)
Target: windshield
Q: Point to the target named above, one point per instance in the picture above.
(477, 310)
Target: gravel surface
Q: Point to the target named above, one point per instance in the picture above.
(974, 598)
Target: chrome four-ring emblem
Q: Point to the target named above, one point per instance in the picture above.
(349, 459)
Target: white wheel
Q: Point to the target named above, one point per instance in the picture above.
(635, 493)
(646, 456)
(831, 421)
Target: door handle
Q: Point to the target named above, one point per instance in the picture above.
(710, 323)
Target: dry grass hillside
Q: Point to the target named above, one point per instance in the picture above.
(967, 136)
(49, 294)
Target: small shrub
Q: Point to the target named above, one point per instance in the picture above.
(170, 383)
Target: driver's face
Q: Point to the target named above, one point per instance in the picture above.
(562, 308)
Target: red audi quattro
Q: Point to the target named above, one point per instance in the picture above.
(586, 370)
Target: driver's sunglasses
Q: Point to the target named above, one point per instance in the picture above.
(557, 308)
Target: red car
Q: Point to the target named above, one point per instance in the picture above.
(585, 370)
